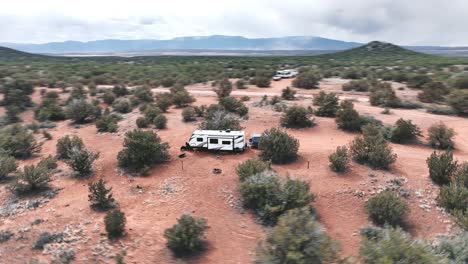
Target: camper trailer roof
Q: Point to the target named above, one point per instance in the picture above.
(219, 132)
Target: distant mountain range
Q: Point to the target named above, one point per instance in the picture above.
(213, 45)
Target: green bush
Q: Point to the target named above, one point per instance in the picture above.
(143, 94)
(142, 122)
(108, 98)
(77, 93)
(269, 196)
(66, 144)
(461, 82)
(241, 84)
(49, 109)
(160, 121)
(297, 238)
(278, 147)
(395, 246)
(142, 149)
(181, 97)
(220, 120)
(81, 161)
(288, 93)
(164, 101)
(122, 106)
(386, 208)
(458, 100)
(372, 148)
(31, 178)
(115, 223)
(48, 162)
(251, 167)
(188, 114)
(233, 105)
(80, 111)
(99, 196)
(327, 104)
(187, 236)
(223, 88)
(347, 118)
(440, 136)
(16, 93)
(418, 81)
(151, 111)
(296, 117)
(357, 85)
(261, 81)
(455, 248)
(461, 175)
(120, 90)
(382, 94)
(404, 131)
(339, 160)
(453, 197)
(47, 238)
(442, 167)
(433, 92)
(107, 123)
(7, 165)
(306, 80)
(18, 141)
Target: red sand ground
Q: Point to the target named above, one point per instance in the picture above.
(233, 233)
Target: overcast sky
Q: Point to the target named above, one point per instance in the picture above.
(411, 22)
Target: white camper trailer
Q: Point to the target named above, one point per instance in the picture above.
(225, 140)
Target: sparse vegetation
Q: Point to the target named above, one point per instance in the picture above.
(107, 123)
(297, 238)
(17, 141)
(288, 93)
(440, 136)
(458, 100)
(7, 165)
(347, 118)
(188, 114)
(278, 147)
(404, 131)
(296, 117)
(339, 160)
(306, 80)
(220, 120)
(251, 167)
(81, 161)
(80, 111)
(386, 208)
(31, 178)
(223, 88)
(187, 236)
(100, 196)
(442, 167)
(357, 85)
(327, 104)
(115, 223)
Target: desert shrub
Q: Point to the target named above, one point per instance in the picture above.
(327, 104)
(120, 90)
(296, 117)
(167, 82)
(251, 167)
(372, 149)
(187, 236)
(5, 235)
(269, 196)
(142, 122)
(49, 109)
(48, 162)
(7, 165)
(99, 196)
(278, 147)
(438, 110)
(233, 105)
(18, 141)
(164, 101)
(46, 135)
(455, 249)
(339, 160)
(297, 238)
(142, 149)
(288, 93)
(244, 98)
(382, 94)
(418, 81)
(347, 118)
(108, 98)
(107, 123)
(433, 92)
(181, 97)
(31, 178)
(80, 111)
(81, 161)
(143, 94)
(404, 131)
(188, 114)
(394, 246)
(115, 223)
(16, 93)
(442, 167)
(241, 84)
(356, 85)
(461, 175)
(151, 111)
(220, 120)
(46, 238)
(261, 81)
(66, 144)
(386, 208)
(160, 121)
(306, 80)
(453, 197)
(461, 82)
(458, 100)
(223, 88)
(440, 136)
(77, 93)
(122, 106)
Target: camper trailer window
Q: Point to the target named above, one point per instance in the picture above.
(213, 141)
(225, 142)
(199, 139)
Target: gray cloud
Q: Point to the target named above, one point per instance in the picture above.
(429, 22)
